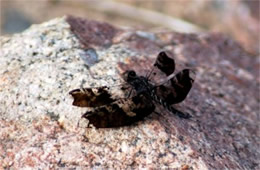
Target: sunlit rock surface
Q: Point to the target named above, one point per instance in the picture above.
(39, 125)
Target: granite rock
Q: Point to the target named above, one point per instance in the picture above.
(41, 129)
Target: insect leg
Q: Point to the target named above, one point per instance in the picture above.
(148, 75)
(179, 113)
(129, 94)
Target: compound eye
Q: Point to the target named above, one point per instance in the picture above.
(131, 74)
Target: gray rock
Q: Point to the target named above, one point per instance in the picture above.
(39, 125)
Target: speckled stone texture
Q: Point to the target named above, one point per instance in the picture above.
(40, 129)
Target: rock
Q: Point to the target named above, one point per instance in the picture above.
(39, 125)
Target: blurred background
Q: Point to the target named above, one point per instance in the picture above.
(239, 19)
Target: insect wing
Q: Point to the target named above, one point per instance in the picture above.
(162, 68)
(122, 112)
(164, 63)
(177, 88)
(96, 96)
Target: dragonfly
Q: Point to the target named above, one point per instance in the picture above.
(108, 108)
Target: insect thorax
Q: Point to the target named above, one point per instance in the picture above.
(141, 85)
